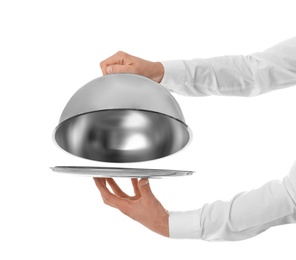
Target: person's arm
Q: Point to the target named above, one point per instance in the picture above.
(143, 207)
(122, 62)
(244, 216)
(240, 75)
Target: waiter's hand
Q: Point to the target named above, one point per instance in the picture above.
(122, 62)
(142, 207)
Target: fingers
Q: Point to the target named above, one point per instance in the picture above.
(116, 188)
(144, 188)
(119, 58)
(109, 198)
(117, 68)
(120, 199)
(122, 62)
(118, 191)
(103, 180)
(111, 60)
(136, 187)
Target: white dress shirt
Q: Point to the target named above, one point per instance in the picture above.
(248, 213)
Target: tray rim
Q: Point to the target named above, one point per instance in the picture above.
(119, 172)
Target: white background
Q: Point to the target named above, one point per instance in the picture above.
(49, 49)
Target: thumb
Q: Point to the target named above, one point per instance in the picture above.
(144, 188)
(119, 69)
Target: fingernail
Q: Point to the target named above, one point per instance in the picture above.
(109, 69)
(143, 182)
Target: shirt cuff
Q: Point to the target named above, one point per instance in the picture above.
(174, 75)
(290, 183)
(185, 224)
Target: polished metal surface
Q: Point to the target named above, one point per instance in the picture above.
(122, 91)
(112, 172)
(122, 118)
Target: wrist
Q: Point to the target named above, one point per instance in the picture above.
(158, 72)
(163, 225)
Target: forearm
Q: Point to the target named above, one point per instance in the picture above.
(246, 215)
(239, 75)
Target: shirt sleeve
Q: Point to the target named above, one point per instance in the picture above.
(246, 215)
(250, 75)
